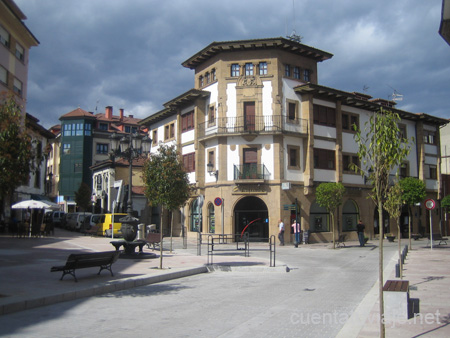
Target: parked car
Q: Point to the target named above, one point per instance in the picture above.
(90, 221)
(75, 220)
(106, 225)
(55, 218)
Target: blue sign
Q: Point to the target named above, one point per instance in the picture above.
(218, 201)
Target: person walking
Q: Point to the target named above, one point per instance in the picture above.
(281, 232)
(360, 229)
(297, 230)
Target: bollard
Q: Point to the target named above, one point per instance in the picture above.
(397, 270)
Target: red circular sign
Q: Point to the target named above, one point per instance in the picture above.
(430, 204)
(218, 201)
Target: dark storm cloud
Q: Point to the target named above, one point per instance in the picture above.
(128, 54)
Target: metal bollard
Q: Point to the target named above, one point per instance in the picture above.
(397, 270)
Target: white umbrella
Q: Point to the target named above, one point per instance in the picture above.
(31, 204)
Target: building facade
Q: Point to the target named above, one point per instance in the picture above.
(257, 135)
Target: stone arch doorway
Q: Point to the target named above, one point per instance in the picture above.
(251, 215)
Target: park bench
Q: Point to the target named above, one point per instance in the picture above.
(92, 231)
(103, 260)
(152, 238)
(438, 237)
(341, 240)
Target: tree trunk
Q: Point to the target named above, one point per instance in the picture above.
(171, 230)
(399, 249)
(409, 226)
(380, 268)
(334, 231)
(161, 241)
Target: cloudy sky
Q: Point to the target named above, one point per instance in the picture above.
(128, 53)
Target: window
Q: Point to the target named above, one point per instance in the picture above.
(235, 70)
(429, 137)
(248, 69)
(66, 148)
(17, 87)
(87, 129)
(306, 75)
(213, 75)
(20, 52)
(169, 131)
(3, 75)
(292, 110)
(212, 158)
(77, 168)
(293, 157)
(189, 162)
(349, 121)
(212, 116)
(208, 78)
(404, 170)
(263, 68)
(430, 171)
(128, 129)
(102, 148)
(4, 37)
(200, 81)
(194, 223)
(350, 216)
(187, 121)
(402, 131)
(347, 160)
(103, 126)
(155, 136)
(324, 159)
(67, 130)
(287, 70)
(325, 116)
(297, 73)
(79, 129)
(211, 219)
(318, 218)
(37, 179)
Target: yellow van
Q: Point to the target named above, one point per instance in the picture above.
(105, 225)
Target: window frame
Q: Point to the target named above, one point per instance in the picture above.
(296, 73)
(169, 131)
(211, 115)
(249, 69)
(263, 68)
(324, 115)
(102, 148)
(347, 122)
(187, 121)
(296, 149)
(287, 70)
(352, 158)
(235, 70)
(189, 162)
(323, 157)
(154, 137)
(306, 75)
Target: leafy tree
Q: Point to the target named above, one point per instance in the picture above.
(83, 197)
(381, 150)
(16, 153)
(166, 183)
(445, 203)
(393, 206)
(329, 196)
(414, 191)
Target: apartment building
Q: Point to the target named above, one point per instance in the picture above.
(258, 134)
(83, 145)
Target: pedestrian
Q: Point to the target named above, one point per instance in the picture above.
(281, 231)
(360, 229)
(297, 230)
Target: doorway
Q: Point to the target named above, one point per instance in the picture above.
(252, 217)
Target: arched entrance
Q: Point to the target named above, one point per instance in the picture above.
(251, 216)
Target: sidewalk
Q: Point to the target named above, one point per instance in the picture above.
(26, 281)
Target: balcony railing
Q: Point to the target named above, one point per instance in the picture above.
(251, 172)
(268, 124)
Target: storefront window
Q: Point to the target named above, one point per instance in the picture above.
(350, 216)
(211, 219)
(319, 219)
(195, 217)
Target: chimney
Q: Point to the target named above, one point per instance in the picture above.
(130, 116)
(109, 112)
(121, 114)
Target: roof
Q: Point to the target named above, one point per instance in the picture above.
(172, 106)
(33, 123)
(363, 101)
(78, 113)
(280, 43)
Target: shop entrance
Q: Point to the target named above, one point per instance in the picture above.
(251, 216)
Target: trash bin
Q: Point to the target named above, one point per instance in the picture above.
(140, 233)
(305, 237)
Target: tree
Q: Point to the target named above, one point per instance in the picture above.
(329, 196)
(83, 196)
(166, 183)
(414, 191)
(16, 153)
(393, 206)
(381, 149)
(445, 203)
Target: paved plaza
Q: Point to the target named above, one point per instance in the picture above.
(314, 291)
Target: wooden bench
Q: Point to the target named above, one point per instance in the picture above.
(93, 231)
(104, 260)
(341, 240)
(152, 238)
(438, 237)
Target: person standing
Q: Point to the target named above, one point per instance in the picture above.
(281, 231)
(297, 230)
(360, 229)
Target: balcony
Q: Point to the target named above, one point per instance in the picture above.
(251, 173)
(269, 124)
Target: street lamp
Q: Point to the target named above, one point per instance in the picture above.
(211, 170)
(130, 147)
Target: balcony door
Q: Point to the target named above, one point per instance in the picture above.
(249, 116)
(250, 163)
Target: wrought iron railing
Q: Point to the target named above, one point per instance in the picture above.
(251, 172)
(252, 124)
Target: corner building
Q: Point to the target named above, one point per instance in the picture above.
(258, 134)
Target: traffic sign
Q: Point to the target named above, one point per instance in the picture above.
(218, 201)
(430, 204)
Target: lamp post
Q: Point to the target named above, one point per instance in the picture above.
(129, 147)
(212, 171)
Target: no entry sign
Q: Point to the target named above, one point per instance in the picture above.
(430, 204)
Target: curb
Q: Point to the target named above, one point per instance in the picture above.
(115, 285)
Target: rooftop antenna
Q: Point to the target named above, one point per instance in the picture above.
(294, 36)
(96, 105)
(396, 96)
(365, 89)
